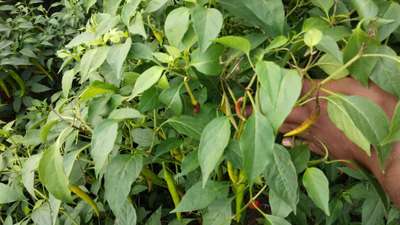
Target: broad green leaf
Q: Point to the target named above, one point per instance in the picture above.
(281, 177)
(111, 6)
(147, 79)
(67, 79)
(125, 113)
(329, 45)
(257, 143)
(116, 58)
(199, 198)
(104, 136)
(207, 23)
(366, 9)
(52, 174)
(186, 125)
(392, 13)
(278, 206)
(9, 194)
(236, 42)
(386, 71)
(91, 61)
(126, 215)
(120, 174)
(369, 118)
(88, 4)
(129, 10)
(218, 213)
(172, 99)
(341, 118)
(155, 218)
(330, 65)
(373, 211)
(276, 43)
(137, 26)
(325, 5)
(28, 173)
(300, 156)
(275, 220)
(394, 131)
(155, 5)
(362, 68)
(176, 25)
(214, 139)
(95, 89)
(280, 89)
(42, 215)
(317, 187)
(312, 37)
(268, 15)
(208, 62)
(82, 38)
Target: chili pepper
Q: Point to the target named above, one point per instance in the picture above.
(172, 189)
(79, 192)
(255, 204)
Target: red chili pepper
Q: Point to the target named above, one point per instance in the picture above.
(255, 204)
(196, 108)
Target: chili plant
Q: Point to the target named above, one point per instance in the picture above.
(170, 113)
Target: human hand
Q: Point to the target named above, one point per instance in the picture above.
(339, 146)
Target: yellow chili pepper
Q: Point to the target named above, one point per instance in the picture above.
(79, 192)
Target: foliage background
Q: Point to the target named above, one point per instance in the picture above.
(167, 112)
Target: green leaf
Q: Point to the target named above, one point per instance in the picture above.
(300, 156)
(82, 38)
(257, 143)
(155, 5)
(330, 64)
(394, 131)
(369, 118)
(218, 213)
(329, 45)
(366, 9)
(275, 220)
(208, 62)
(280, 89)
(373, 211)
(126, 215)
(147, 79)
(235, 42)
(28, 173)
(207, 24)
(391, 13)
(325, 5)
(312, 37)
(119, 177)
(116, 58)
(95, 89)
(317, 187)
(276, 43)
(186, 125)
(9, 194)
(67, 79)
(155, 218)
(214, 139)
(269, 15)
(172, 99)
(137, 26)
(386, 71)
(176, 25)
(104, 136)
(278, 206)
(341, 118)
(91, 61)
(111, 6)
(363, 67)
(199, 198)
(52, 174)
(129, 10)
(125, 113)
(281, 177)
